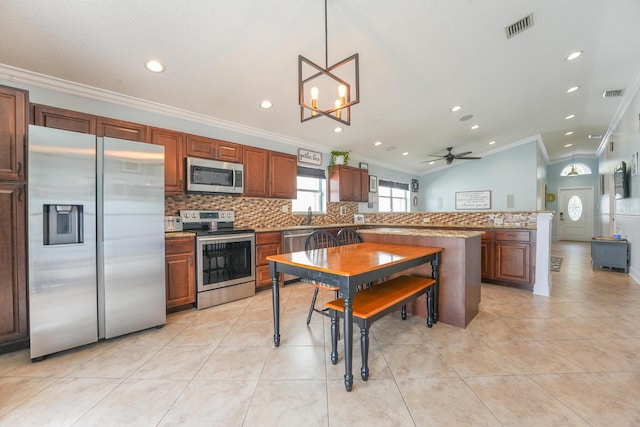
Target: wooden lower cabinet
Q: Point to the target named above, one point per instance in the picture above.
(14, 330)
(180, 272)
(508, 257)
(269, 243)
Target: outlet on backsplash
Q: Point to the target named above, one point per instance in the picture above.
(343, 210)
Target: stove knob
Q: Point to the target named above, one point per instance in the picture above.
(194, 215)
(186, 215)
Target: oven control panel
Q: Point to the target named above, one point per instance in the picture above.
(202, 216)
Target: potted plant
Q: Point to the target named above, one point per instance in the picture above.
(339, 158)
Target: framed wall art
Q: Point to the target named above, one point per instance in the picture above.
(373, 184)
(473, 199)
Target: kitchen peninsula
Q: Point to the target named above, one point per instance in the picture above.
(459, 271)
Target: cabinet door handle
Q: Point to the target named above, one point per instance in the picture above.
(19, 168)
(20, 194)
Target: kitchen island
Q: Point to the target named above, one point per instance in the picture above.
(459, 271)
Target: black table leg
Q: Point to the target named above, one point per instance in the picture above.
(348, 340)
(275, 290)
(435, 275)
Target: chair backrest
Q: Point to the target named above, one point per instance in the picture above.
(348, 236)
(320, 239)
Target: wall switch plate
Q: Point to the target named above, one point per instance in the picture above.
(497, 221)
(425, 219)
(285, 208)
(343, 210)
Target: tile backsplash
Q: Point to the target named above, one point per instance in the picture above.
(261, 213)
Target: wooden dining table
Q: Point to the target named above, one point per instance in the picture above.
(348, 267)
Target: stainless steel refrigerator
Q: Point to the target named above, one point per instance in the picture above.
(96, 238)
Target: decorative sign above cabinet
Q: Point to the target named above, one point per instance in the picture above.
(310, 157)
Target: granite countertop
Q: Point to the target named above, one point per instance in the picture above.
(177, 234)
(460, 234)
(425, 226)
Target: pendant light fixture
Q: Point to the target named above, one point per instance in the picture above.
(328, 91)
(573, 171)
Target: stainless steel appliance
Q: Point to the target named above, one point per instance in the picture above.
(172, 223)
(96, 240)
(225, 257)
(213, 176)
(294, 241)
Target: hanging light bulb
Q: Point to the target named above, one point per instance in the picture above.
(314, 99)
(342, 92)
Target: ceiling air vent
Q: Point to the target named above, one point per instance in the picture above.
(518, 27)
(612, 93)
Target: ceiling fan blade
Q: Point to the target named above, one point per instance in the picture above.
(468, 158)
(460, 155)
(434, 160)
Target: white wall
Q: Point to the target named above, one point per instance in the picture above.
(625, 135)
(511, 172)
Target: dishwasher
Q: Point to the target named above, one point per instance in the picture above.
(294, 242)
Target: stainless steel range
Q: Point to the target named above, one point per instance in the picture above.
(225, 264)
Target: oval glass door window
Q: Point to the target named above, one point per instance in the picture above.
(574, 208)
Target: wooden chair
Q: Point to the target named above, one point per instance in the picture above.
(317, 240)
(348, 236)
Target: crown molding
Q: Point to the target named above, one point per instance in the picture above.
(55, 84)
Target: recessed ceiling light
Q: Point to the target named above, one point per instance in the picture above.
(338, 129)
(570, 116)
(431, 163)
(266, 104)
(574, 55)
(377, 143)
(569, 133)
(573, 89)
(406, 153)
(591, 136)
(456, 108)
(492, 142)
(154, 66)
(474, 127)
(567, 145)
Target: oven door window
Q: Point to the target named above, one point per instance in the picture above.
(226, 261)
(212, 176)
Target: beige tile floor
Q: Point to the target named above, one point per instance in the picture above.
(569, 360)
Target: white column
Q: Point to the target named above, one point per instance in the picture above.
(542, 286)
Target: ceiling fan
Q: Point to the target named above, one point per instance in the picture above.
(450, 157)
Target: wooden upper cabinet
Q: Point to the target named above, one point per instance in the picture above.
(283, 170)
(209, 148)
(347, 184)
(199, 146)
(59, 118)
(173, 143)
(13, 133)
(256, 168)
(121, 129)
(229, 151)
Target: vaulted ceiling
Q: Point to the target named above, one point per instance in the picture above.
(418, 59)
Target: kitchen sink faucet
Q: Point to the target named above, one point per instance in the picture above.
(309, 216)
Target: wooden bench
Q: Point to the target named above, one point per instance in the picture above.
(377, 301)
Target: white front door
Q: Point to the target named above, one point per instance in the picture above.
(575, 213)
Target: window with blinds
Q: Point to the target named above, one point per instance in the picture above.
(312, 191)
(393, 196)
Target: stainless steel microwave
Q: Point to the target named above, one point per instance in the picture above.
(213, 176)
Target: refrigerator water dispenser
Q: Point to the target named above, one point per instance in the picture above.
(63, 224)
